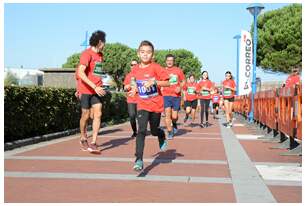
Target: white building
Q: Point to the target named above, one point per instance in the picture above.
(25, 76)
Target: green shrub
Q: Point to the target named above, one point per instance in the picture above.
(32, 111)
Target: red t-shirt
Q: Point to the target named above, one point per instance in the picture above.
(292, 80)
(190, 91)
(93, 71)
(216, 98)
(228, 93)
(129, 80)
(149, 99)
(204, 94)
(176, 75)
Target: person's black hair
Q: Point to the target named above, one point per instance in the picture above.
(96, 37)
(170, 55)
(228, 72)
(146, 43)
(203, 73)
(191, 75)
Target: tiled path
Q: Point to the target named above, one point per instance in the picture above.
(212, 164)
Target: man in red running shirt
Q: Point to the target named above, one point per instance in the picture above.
(90, 88)
(172, 95)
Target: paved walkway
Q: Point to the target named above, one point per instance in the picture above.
(212, 164)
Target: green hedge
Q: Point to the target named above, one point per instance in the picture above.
(33, 111)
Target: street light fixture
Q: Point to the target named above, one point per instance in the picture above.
(254, 9)
(237, 37)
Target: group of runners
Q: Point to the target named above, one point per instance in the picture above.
(151, 90)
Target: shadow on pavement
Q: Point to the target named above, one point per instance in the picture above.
(109, 131)
(161, 158)
(115, 143)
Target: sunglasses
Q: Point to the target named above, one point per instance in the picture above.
(133, 64)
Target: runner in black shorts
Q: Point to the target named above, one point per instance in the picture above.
(90, 88)
(229, 88)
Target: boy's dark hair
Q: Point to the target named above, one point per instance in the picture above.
(295, 70)
(170, 55)
(207, 74)
(96, 37)
(191, 75)
(228, 72)
(146, 43)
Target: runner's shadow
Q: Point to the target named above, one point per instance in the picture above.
(109, 131)
(115, 143)
(182, 132)
(161, 158)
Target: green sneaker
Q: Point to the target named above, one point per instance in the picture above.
(138, 166)
(164, 145)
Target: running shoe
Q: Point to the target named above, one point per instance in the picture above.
(206, 124)
(202, 125)
(174, 130)
(93, 148)
(164, 145)
(185, 119)
(84, 144)
(138, 166)
(170, 135)
(134, 135)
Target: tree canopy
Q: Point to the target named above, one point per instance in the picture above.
(279, 46)
(117, 59)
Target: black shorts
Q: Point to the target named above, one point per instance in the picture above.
(87, 100)
(193, 104)
(215, 105)
(230, 99)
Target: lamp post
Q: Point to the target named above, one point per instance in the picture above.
(85, 43)
(237, 37)
(254, 9)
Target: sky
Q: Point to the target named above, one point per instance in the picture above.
(45, 35)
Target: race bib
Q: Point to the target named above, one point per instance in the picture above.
(205, 93)
(173, 79)
(227, 92)
(216, 98)
(190, 90)
(144, 92)
(98, 70)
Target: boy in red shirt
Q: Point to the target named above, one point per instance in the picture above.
(215, 101)
(172, 95)
(149, 78)
(90, 88)
(229, 88)
(191, 102)
(130, 82)
(204, 89)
